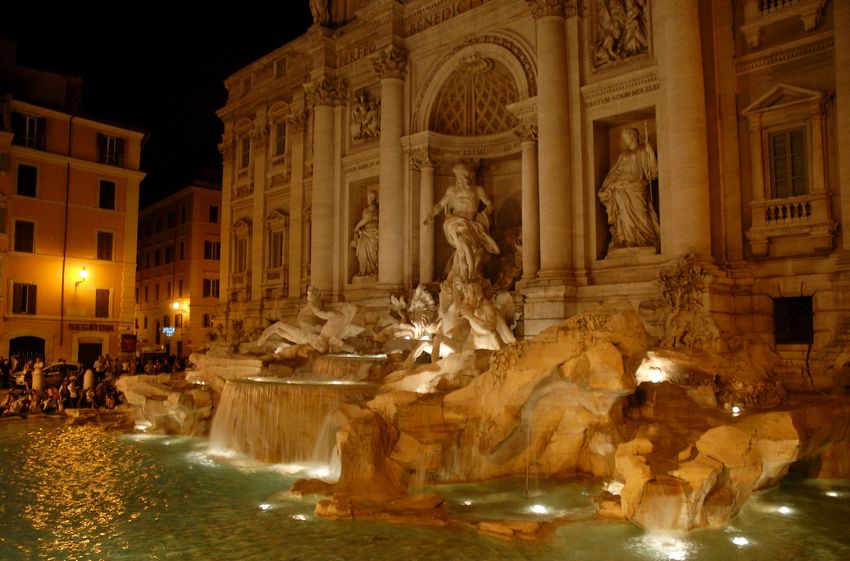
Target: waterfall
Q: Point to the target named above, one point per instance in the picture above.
(282, 421)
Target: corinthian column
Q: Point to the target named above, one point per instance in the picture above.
(322, 95)
(527, 132)
(390, 66)
(685, 218)
(553, 138)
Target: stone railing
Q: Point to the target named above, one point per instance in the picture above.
(758, 14)
(242, 191)
(806, 214)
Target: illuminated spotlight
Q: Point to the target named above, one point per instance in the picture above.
(143, 425)
(300, 517)
(265, 506)
(784, 510)
(466, 502)
(538, 509)
(832, 494)
(650, 370)
(736, 410)
(740, 541)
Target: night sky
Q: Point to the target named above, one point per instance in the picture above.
(156, 71)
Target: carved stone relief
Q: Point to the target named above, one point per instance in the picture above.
(365, 116)
(621, 31)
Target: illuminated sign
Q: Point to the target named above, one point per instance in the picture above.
(168, 331)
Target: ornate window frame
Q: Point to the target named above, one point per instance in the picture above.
(782, 108)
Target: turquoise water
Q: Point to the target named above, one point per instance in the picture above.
(77, 493)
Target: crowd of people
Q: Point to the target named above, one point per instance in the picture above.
(68, 392)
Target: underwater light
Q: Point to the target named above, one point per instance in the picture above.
(143, 425)
(736, 410)
(784, 510)
(832, 494)
(265, 506)
(614, 487)
(300, 517)
(466, 502)
(740, 541)
(539, 509)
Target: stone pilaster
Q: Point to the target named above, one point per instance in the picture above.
(390, 64)
(553, 138)
(684, 147)
(228, 155)
(527, 132)
(259, 139)
(322, 95)
(296, 121)
(425, 164)
(842, 115)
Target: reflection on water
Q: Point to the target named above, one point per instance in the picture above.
(82, 494)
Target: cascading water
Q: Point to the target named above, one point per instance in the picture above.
(283, 421)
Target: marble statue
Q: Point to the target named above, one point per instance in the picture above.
(488, 318)
(319, 11)
(626, 194)
(466, 229)
(365, 238)
(323, 329)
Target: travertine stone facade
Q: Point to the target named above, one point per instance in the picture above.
(744, 108)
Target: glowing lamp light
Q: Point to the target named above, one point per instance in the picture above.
(466, 502)
(538, 509)
(736, 410)
(740, 541)
(784, 510)
(832, 494)
(265, 506)
(300, 517)
(83, 276)
(175, 305)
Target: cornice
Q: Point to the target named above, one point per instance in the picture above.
(76, 163)
(790, 51)
(615, 89)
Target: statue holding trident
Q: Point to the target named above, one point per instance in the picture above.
(466, 229)
(626, 194)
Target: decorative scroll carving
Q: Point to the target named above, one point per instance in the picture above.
(391, 62)
(297, 120)
(365, 116)
(621, 31)
(227, 149)
(527, 130)
(326, 91)
(543, 8)
(422, 158)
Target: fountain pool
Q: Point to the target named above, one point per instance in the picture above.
(78, 493)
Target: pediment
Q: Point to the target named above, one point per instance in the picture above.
(242, 225)
(277, 214)
(783, 96)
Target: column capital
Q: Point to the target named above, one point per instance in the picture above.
(558, 8)
(391, 62)
(326, 91)
(422, 158)
(227, 149)
(297, 120)
(527, 130)
(260, 134)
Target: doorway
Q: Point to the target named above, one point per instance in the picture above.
(87, 353)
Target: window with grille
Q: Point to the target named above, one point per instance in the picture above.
(211, 288)
(110, 150)
(279, 139)
(793, 320)
(101, 303)
(23, 298)
(245, 153)
(24, 236)
(214, 214)
(104, 246)
(275, 249)
(788, 173)
(212, 250)
(29, 131)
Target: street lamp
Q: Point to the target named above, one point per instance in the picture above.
(83, 276)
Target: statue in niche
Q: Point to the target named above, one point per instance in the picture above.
(365, 238)
(365, 117)
(323, 329)
(627, 196)
(621, 30)
(466, 229)
(319, 11)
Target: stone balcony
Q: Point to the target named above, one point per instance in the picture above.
(806, 215)
(759, 14)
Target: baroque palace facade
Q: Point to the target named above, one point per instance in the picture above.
(609, 138)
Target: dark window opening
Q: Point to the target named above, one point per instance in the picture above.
(793, 320)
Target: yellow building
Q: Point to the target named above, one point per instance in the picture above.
(177, 278)
(69, 192)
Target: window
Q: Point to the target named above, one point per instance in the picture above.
(156, 292)
(214, 214)
(211, 287)
(245, 153)
(207, 320)
(23, 298)
(212, 250)
(101, 303)
(107, 195)
(279, 139)
(793, 320)
(180, 288)
(171, 219)
(2, 219)
(104, 246)
(182, 215)
(178, 320)
(146, 295)
(148, 228)
(158, 224)
(788, 175)
(166, 321)
(145, 322)
(136, 323)
(27, 179)
(24, 236)
(29, 131)
(157, 333)
(156, 257)
(110, 150)
(169, 253)
(147, 261)
(182, 250)
(275, 249)
(137, 297)
(168, 291)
